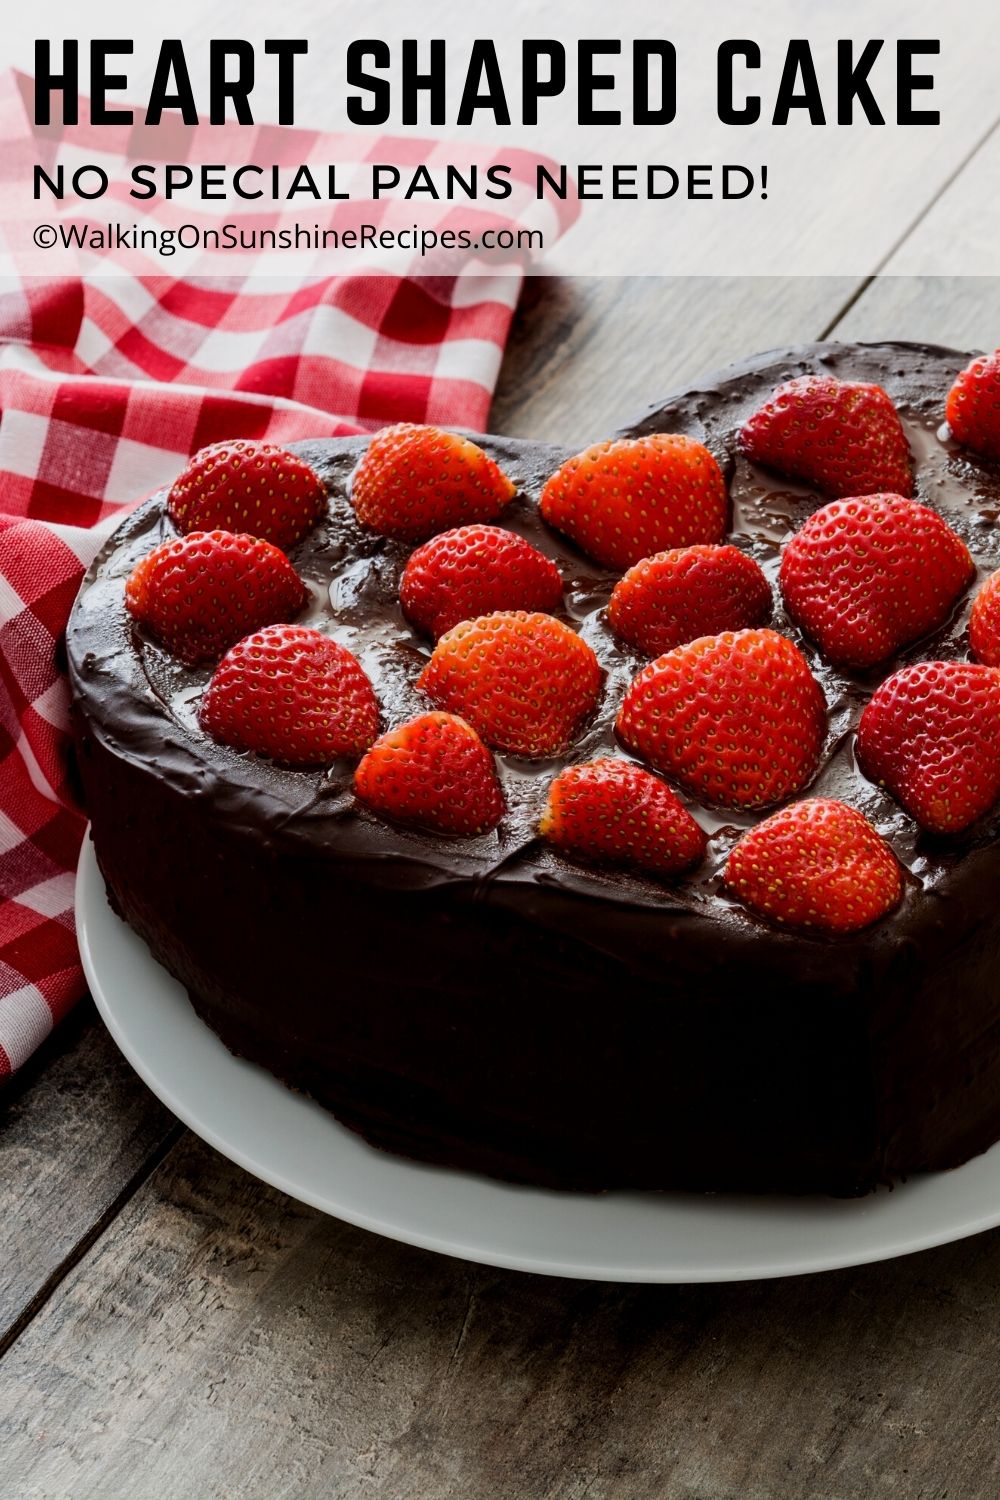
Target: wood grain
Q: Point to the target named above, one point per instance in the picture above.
(967, 211)
(77, 1130)
(963, 313)
(211, 1337)
(221, 1341)
(587, 354)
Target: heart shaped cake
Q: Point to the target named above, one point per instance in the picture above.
(616, 819)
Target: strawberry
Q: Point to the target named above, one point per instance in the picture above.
(621, 501)
(677, 596)
(245, 486)
(984, 622)
(736, 718)
(816, 864)
(842, 437)
(292, 694)
(525, 682)
(973, 407)
(414, 481)
(611, 810)
(931, 735)
(434, 772)
(865, 577)
(200, 593)
(475, 570)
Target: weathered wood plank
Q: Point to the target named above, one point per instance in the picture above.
(963, 313)
(222, 1341)
(76, 1130)
(587, 354)
(967, 212)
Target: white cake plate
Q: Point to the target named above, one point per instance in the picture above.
(299, 1148)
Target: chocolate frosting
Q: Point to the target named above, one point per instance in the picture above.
(136, 708)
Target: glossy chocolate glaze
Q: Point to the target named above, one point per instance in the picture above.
(765, 1058)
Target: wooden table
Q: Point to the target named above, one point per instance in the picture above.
(170, 1328)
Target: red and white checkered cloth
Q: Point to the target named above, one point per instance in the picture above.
(88, 428)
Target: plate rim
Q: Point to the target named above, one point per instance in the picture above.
(90, 891)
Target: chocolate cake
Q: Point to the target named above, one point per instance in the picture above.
(487, 1003)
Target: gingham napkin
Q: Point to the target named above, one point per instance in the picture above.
(89, 427)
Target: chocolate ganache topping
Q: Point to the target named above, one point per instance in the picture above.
(138, 694)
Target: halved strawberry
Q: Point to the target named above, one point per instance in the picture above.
(248, 486)
(621, 501)
(866, 576)
(984, 622)
(415, 480)
(737, 718)
(292, 694)
(434, 772)
(475, 570)
(525, 682)
(614, 811)
(973, 407)
(816, 864)
(200, 593)
(931, 735)
(845, 438)
(677, 596)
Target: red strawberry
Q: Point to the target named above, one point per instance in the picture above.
(621, 501)
(844, 438)
(614, 811)
(292, 694)
(973, 408)
(677, 596)
(414, 481)
(984, 622)
(525, 682)
(865, 577)
(434, 772)
(737, 718)
(816, 864)
(931, 735)
(475, 570)
(245, 486)
(200, 593)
